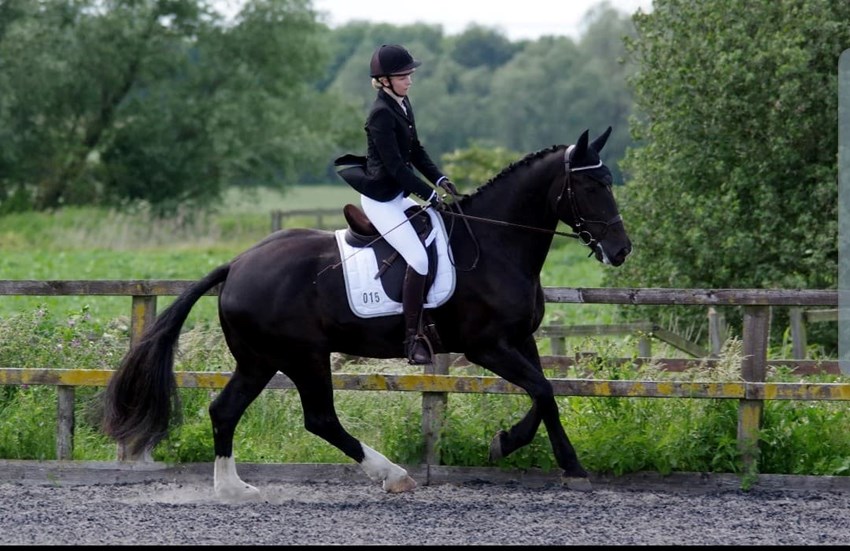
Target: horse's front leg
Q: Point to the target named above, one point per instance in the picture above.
(522, 433)
(521, 366)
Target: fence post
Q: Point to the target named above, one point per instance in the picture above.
(65, 422)
(753, 369)
(716, 331)
(277, 220)
(142, 315)
(433, 412)
(798, 333)
(558, 345)
(644, 346)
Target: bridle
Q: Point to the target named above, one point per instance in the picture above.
(580, 222)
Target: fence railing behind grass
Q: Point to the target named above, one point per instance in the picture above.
(319, 218)
(751, 389)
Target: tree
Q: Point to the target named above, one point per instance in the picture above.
(158, 101)
(555, 88)
(116, 102)
(479, 46)
(735, 183)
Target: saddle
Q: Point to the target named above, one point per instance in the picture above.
(391, 265)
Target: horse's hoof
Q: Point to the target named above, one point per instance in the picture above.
(403, 484)
(577, 483)
(496, 447)
(243, 492)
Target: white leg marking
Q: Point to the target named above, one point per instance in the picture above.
(227, 483)
(394, 479)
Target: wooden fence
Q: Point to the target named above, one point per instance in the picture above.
(323, 218)
(751, 389)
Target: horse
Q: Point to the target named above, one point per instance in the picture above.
(282, 309)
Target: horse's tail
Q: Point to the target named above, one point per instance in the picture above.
(142, 394)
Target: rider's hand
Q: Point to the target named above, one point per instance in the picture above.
(449, 186)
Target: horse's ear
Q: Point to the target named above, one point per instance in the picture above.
(599, 142)
(581, 146)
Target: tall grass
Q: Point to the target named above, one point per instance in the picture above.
(611, 435)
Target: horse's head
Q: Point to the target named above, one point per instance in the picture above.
(586, 201)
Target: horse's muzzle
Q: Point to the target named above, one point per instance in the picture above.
(613, 259)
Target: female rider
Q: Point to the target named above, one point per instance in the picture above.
(386, 181)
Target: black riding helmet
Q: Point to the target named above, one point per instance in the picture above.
(391, 59)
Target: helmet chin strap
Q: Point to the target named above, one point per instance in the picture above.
(391, 88)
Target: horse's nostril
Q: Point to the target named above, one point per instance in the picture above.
(621, 256)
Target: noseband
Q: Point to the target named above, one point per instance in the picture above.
(580, 222)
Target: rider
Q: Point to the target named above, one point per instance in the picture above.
(386, 180)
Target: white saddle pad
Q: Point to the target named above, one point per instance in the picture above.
(366, 295)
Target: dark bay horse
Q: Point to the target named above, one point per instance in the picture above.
(281, 309)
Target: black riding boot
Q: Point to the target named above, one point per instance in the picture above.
(412, 298)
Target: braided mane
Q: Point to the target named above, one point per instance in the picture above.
(513, 167)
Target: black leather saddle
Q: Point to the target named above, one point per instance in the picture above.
(391, 265)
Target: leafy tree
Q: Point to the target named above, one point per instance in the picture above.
(553, 89)
(479, 46)
(116, 102)
(477, 95)
(158, 100)
(735, 185)
(528, 113)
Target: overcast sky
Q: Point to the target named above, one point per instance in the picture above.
(517, 19)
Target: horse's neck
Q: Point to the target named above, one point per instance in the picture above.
(523, 194)
(519, 203)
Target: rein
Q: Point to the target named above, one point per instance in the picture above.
(511, 224)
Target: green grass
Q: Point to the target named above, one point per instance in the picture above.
(297, 198)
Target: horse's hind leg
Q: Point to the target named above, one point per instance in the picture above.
(312, 378)
(225, 412)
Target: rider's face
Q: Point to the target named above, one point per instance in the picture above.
(400, 84)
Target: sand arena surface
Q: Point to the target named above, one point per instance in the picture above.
(351, 510)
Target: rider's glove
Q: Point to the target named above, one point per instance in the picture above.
(447, 185)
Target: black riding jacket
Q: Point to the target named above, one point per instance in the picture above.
(393, 151)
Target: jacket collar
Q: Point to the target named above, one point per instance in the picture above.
(393, 102)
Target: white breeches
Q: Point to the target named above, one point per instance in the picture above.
(389, 218)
